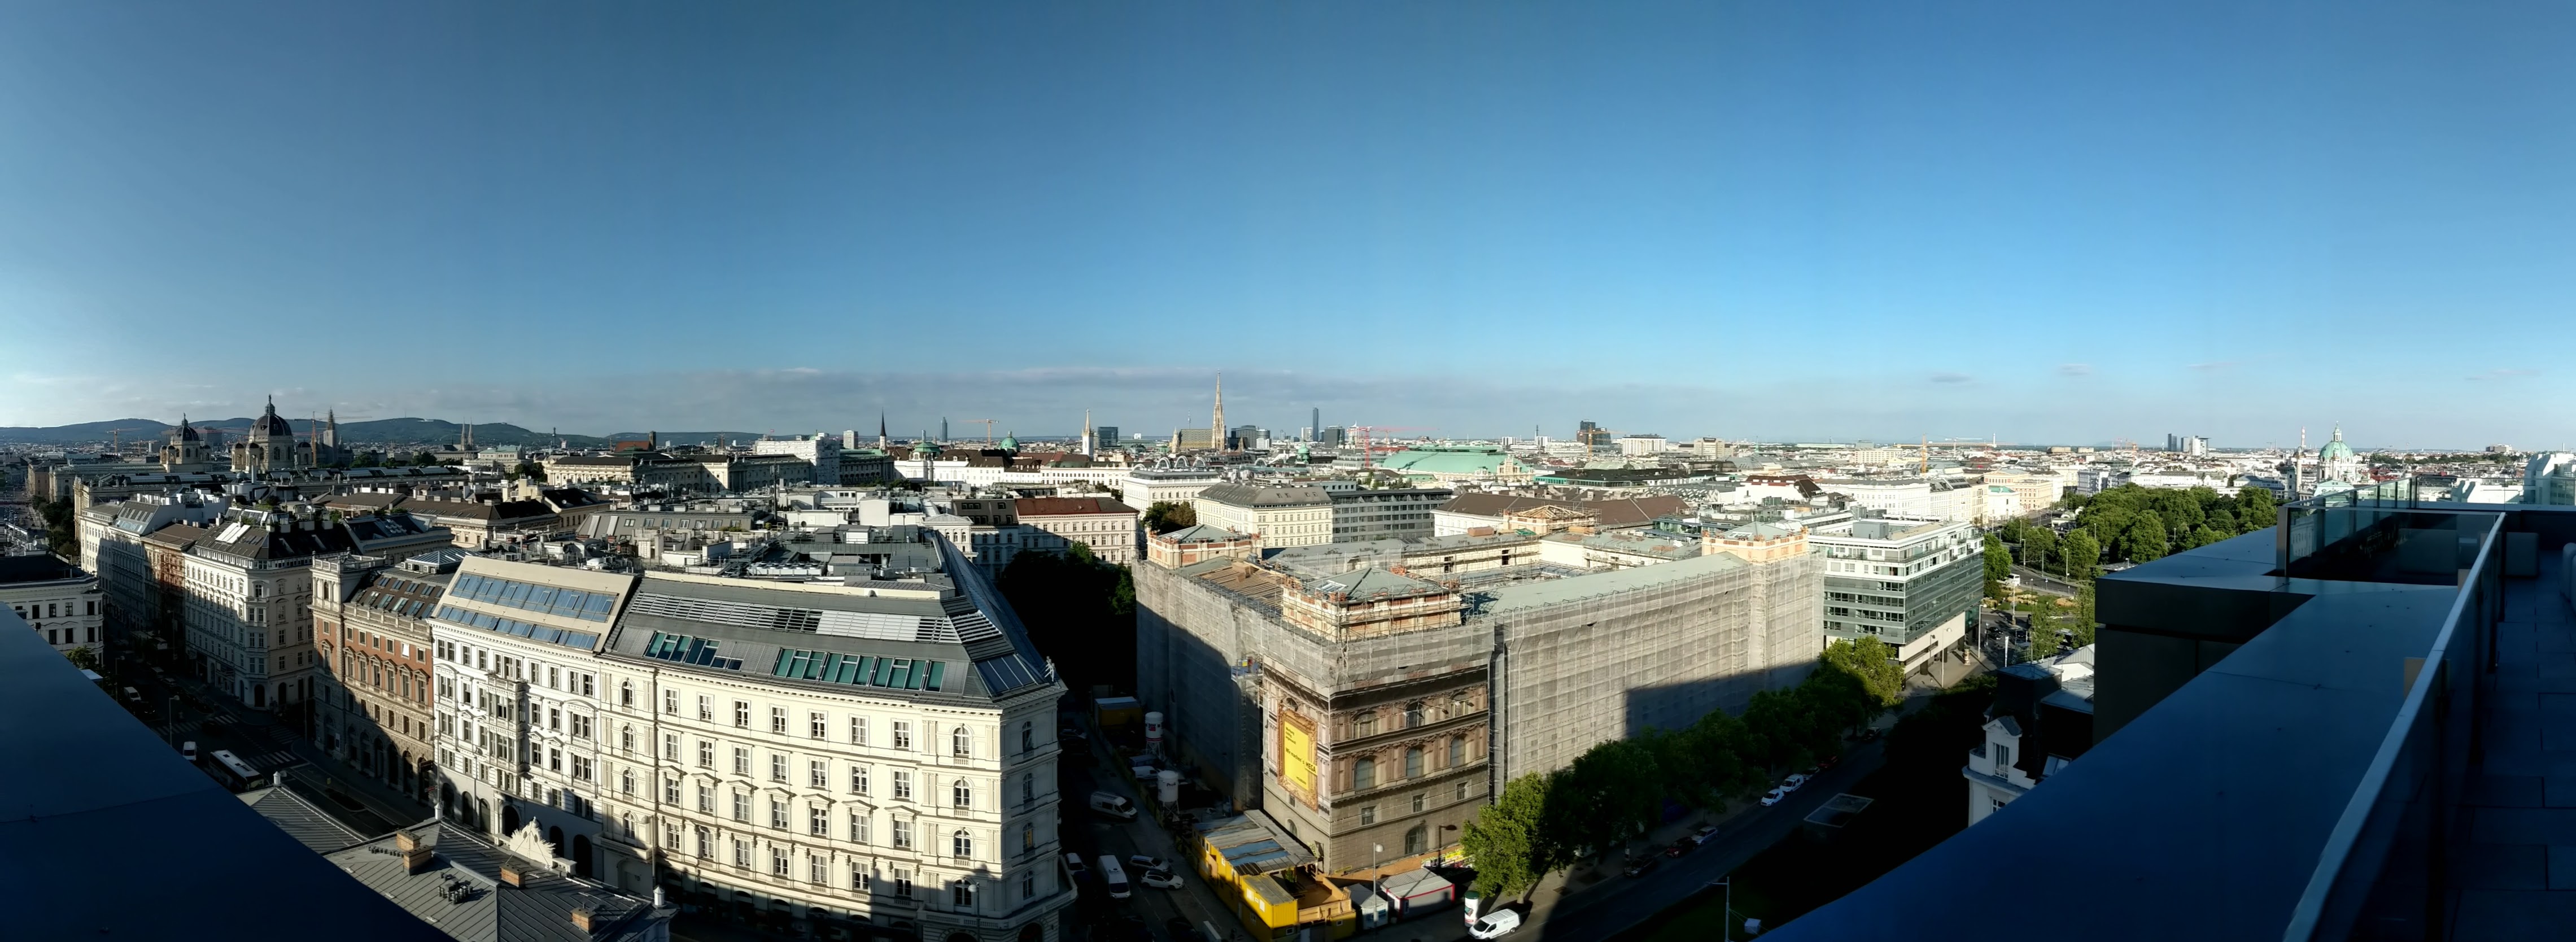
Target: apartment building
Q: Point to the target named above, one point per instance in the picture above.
(1106, 526)
(517, 700)
(1144, 487)
(248, 584)
(371, 632)
(57, 599)
(1280, 516)
(878, 751)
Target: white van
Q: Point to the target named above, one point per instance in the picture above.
(1113, 875)
(1113, 806)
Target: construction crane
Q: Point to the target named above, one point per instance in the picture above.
(988, 430)
(116, 441)
(1367, 449)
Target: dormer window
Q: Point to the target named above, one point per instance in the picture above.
(2003, 759)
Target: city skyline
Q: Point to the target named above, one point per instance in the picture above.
(2225, 220)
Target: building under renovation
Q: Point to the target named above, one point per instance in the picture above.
(1371, 701)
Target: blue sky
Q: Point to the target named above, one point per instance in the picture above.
(1779, 220)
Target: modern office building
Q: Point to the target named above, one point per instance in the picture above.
(1912, 583)
(1395, 513)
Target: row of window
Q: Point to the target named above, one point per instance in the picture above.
(50, 611)
(1364, 769)
(961, 740)
(863, 877)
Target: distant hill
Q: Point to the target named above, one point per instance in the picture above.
(688, 438)
(403, 432)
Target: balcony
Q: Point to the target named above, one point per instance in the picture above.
(2344, 727)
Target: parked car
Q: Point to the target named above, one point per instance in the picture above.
(1680, 847)
(1495, 925)
(1702, 835)
(1147, 862)
(189, 749)
(1162, 880)
(1774, 796)
(1113, 805)
(1870, 735)
(1070, 734)
(1642, 866)
(1074, 867)
(1794, 782)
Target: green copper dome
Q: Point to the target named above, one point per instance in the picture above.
(2336, 448)
(1010, 442)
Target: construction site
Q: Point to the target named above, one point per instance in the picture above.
(1371, 701)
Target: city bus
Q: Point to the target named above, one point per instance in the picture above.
(232, 771)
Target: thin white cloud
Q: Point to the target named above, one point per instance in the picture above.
(2214, 366)
(2502, 372)
(2075, 369)
(1952, 377)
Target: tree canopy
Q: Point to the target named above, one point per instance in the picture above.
(2135, 524)
(1165, 516)
(1617, 790)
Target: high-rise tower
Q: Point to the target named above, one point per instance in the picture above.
(1216, 426)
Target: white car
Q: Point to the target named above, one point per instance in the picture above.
(1774, 796)
(189, 749)
(1145, 862)
(1162, 880)
(1792, 783)
(1495, 925)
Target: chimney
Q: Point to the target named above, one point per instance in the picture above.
(510, 875)
(658, 901)
(581, 919)
(416, 856)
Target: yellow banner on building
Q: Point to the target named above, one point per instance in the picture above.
(1297, 757)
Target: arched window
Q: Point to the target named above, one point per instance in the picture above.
(1413, 714)
(1417, 840)
(1028, 789)
(961, 794)
(959, 742)
(1413, 762)
(1028, 736)
(961, 844)
(1028, 838)
(625, 693)
(1363, 772)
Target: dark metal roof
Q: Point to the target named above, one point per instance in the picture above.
(461, 891)
(90, 788)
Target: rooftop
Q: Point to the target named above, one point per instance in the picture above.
(90, 785)
(2336, 728)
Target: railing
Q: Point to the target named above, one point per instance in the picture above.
(2383, 870)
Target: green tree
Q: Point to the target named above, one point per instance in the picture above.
(2082, 553)
(370, 459)
(531, 470)
(2146, 540)
(1998, 566)
(1607, 796)
(423, 459)
(82, 658)
(1509, 843)
(1165, 516)
(1874, 664)
(1079, 611)
(2255, 509)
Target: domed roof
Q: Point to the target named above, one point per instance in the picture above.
(2336, 448)
(270, 424)
(1010, 442)
(926, 449)
(187, 432)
